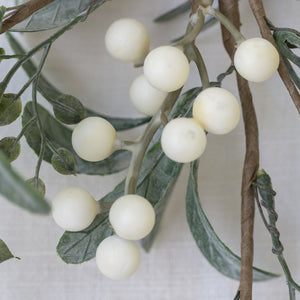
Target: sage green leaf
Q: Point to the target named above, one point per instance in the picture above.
(2, 52)
(5, 253)
(51, 93)
(60, 137)
(292, 72)
(37, 184)
(55, 14)
(77, 247)
(68, 109)
(286, 38)
(10, 147)
(16, 190)
(214, 250)
(63, 162)
(9, 109)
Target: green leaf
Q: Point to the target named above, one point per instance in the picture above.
(5, 253)
(9, 109)
(10, 147)
(51, 93)
(37, 184)
(157, 177)
(292, 72)
(77, 247)
(60, 137)
(55, 14)
(285, 38)
(13, 187)
(68, 109)
(63, 162)
(214, 250)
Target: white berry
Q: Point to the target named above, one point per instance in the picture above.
(166, 68)
(183, 140)
(127, 40)
(216, 110)
(256, 59)
(144, 97)
(117, 258)
(74, 209)
(132, 217)
(93, 139)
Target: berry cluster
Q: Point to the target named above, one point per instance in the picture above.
(166, 69)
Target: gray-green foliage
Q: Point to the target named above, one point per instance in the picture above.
(63, 162)
(5, 253)
(215, 251)
(10, 109)
(16, 190)
(10, 147)
(55, 14)
(38, 184)
(53, 95)
(60, 137)
(157, 177)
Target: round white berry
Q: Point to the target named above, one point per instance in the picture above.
(216, 110)
(144, 97)
(117, 258)
(74, 209)
(166, 68)
(183, 140)
(132, 217)
(256, 59)
(127, 40)
(93, 139)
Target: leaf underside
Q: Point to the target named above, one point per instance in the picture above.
(55, 14)
(214, 250)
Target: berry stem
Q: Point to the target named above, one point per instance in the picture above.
(193, 53)
(141, 145)
(239, 38)
(193, 29)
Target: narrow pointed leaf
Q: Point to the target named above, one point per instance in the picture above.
(16, 190)
(55, 14)
(5, 253)
(214, 250)
(52, 94)
(60, 137)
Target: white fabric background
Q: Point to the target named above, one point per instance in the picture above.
(174, 269)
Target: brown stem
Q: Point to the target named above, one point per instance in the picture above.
(23, 12)
(260, 15)
(230, 9)
(196, 3)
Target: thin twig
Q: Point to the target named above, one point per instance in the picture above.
(230, 9)
(23, 12)
(35, 113)
(260, 15)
